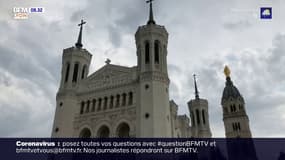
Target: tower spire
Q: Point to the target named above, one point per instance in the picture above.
(196, 88)
(198, 109)
(79, 44)
(151, 19)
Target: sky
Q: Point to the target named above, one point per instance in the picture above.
(204, 36)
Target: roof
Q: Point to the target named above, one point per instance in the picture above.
(109, 76)
(230, 91)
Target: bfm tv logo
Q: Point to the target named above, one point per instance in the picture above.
(265, 13)
(23, 13)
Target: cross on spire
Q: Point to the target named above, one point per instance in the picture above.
(196, 88)
(108, 61)
(79, 44)
(151, 19)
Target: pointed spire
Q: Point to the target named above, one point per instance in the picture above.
(196, 88)
(230, 90)
(79, 44)
(151, 19)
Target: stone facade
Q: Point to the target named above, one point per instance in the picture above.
(200, 118)
(119, 101)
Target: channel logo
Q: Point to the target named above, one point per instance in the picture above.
(36, 9)
(23, 13)
(265, 13)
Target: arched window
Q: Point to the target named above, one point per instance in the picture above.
(234, 108)
(238, 126)
(240, 107)
(111, 102)
(203, 116)
(85, 133)
(83, 72)
(87, 107)
(193, 118)
(67, 72)
(124, 99)
(82, 107)
(75, 72)
(234, 127)
(130, 98)
(105, 103)
(103, 132)
(123, 130)
(231, 106)
(117, 100)
(93, 105)
(198, 116)
(99, 104)
(156, 51)
(147, 56)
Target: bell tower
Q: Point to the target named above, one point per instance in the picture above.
(236, 121)
(151, 42)
(153, 100)
(199, 114)
(75, 64)
(75, 68)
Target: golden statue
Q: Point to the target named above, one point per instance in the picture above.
(227, 71)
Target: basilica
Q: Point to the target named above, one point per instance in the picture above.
(120, 101)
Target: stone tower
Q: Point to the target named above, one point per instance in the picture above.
(153, 119)
(235, 119)
(199, 115)
(75, 67)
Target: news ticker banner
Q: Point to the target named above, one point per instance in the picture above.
(141, 149)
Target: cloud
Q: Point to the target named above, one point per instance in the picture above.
(276, 59)
(24, 105)
(258, 76)
(29, 75)
(115, 36)
(237, 25)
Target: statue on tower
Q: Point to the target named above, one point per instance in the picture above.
(227, 71)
